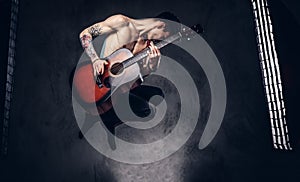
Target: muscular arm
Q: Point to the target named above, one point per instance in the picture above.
(111, 24)
(86, 42)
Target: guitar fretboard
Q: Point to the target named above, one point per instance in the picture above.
(144, 53)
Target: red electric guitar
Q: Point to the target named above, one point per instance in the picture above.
(122, 69)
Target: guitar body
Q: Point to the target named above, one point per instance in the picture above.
(87, 88)
(122, 68)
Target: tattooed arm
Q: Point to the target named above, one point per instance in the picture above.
(111, 24)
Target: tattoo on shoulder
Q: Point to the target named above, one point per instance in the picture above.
(95, 30)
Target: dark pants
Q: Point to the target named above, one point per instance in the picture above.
(139, 102)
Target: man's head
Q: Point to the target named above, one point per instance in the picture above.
(164, 26)
(171, 21)
(159, 31)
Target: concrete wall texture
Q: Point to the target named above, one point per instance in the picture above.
(43, 135)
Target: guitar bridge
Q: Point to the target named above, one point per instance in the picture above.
(98, 81)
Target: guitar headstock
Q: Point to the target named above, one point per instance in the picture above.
(188, 33)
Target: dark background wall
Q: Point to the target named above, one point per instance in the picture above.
(44, 144)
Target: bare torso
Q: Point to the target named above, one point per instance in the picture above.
(123, 32)
(131, 37)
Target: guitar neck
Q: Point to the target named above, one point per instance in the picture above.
(144, 53)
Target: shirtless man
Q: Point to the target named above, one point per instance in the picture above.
(127, 33)
(135, 35)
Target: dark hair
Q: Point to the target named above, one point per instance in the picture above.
(170, 27)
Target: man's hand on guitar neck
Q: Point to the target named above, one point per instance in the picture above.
(151, 62)
(154, 57)
(98, 66)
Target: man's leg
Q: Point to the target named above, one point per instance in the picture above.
(145, 93)
(139, 102)
(110, 121)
